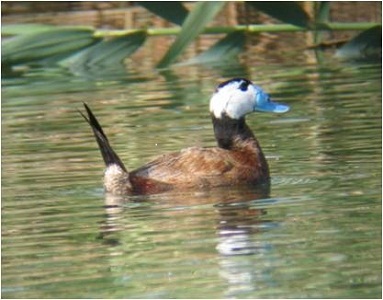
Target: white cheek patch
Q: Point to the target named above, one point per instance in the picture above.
(218, 104)
(239, 105)
(233, 102)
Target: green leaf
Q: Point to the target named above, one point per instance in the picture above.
(106, 55)
(27, 48)
(287, 12)
(17, 29)
(202, 13)
(173, 11)
(365, 46)
(224, 50)
(322, 11)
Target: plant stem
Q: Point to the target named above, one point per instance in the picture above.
(249, 28)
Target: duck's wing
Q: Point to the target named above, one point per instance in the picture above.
(188, 167)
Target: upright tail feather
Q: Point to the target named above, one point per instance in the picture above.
(110, 157)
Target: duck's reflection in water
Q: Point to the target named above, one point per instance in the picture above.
(241, 249)
(233, 216)
(236, 222)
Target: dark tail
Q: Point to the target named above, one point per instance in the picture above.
(110, 157)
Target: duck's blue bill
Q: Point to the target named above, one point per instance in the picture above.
(263, 103)
(273, 107)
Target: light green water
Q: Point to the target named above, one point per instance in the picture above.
(316, 235)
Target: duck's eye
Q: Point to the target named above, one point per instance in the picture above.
(243, 86)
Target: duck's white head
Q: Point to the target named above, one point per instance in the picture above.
(237, 97)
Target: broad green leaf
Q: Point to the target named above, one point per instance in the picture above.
(17, 29)
(224, 50)
(173, 11)
(106, 55)
(31, 47)
(202, 13)
(286, 11)
(365, 46)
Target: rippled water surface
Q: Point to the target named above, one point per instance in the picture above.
(317, 234)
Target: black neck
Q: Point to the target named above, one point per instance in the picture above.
(228, 132)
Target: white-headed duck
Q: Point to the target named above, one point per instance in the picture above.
(237, 160)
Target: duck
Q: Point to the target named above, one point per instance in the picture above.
(236, 160)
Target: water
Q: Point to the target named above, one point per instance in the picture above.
(317, 234)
